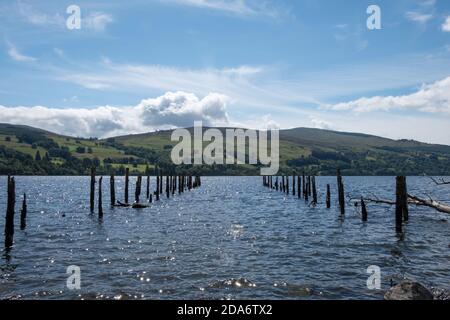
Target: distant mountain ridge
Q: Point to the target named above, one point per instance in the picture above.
(32, 151)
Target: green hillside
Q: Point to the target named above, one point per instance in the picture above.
(314, 151)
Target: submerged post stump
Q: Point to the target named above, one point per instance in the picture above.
(100, 204)
(9, 221)
(23, 213)
(112, 190)
(341, 193)
(92, 197)
(328, 197)
(363, 210)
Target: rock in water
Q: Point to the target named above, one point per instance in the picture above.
(408, 290)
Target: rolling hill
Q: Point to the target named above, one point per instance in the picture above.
(31, 151)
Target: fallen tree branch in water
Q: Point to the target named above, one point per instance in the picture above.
(439, 206)
(440, 182)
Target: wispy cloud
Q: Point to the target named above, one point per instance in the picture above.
(419, 17)
(97, 21)
(235, 7)
(424, 12)
(14, 54)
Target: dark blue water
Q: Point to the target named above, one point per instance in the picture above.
(230, 239)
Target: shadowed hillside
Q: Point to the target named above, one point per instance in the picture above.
(27, 150)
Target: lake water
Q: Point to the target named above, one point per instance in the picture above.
(230, 239)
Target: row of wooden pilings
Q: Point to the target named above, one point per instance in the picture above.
(10, 212)
(173, 184)
(307, 187)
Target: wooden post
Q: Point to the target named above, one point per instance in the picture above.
(148, 187)
(306, 189)
(167, 187)
(161, 183)
(127, 181)
(405, 201)
(23, 213)
(314, 190)
(100, 204)
(293, 185)
(283, 186)
(287, 185)
(157, 187)
(341, 193)
(401, 203)
(363, 210)
(328, 197)
(298, 187)
(309, 186)
(276, 184)
(9, 221)
(137, 192)
(304, 185)
(92, 198)
(112, 190)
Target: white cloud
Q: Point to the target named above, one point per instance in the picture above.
(177, 109)
(319, 123)
(446, 25)
(431, 98)
(39, 18)
(419, 17)
(236, 7)
(14, 54)
(97, 21)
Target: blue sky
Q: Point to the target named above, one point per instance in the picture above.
(136, 66)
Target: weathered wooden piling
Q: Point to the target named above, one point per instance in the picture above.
(341, 193)
(287, 185)
(363, 210)
(271, 182)
(328, 199)
(283, 186)
(401, 203)
(100, 204)
(127, 181)
(147, 193)
(112, 190)
(293, 185)
(314, 190)
(304, 186)
(309, 186)
(137, 192)
(10, 210)
(92, 197)
(306, 194)
(161, 183)
(23, 213)
(157, 187)
(167, 187)
(298, 187)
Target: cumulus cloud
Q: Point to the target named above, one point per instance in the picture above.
(173, 109)
(430, 98)
(446, 25)
(319, 123)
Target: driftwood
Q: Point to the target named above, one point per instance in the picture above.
(439, 206)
